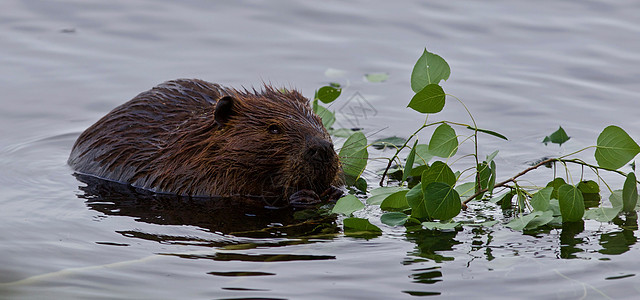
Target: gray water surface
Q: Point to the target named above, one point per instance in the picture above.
(522, 68)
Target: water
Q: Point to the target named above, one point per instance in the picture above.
(522, 68)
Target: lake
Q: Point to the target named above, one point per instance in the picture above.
(522, 68)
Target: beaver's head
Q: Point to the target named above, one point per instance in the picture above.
(272, 144)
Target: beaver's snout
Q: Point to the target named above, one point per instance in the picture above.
(319, 151)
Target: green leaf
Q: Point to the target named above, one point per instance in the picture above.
(484, 174)
(466, 189)
(483, 224)
(341, 132)
(616, 199)
(630, 193)
(491, 156)
(430, 68)
(441, 226)
(557, 137)
(379, 194)
(571, 203)
(415, 199)
(615, 148)
(418, 170)
(602, 214)
(492, 179)
(522, 222)
(531, 221)
(353, 157)
(359, 225)
(540, 200)
(488, 132)
(444, 142)
(389, 142)
(361, 184)
(347, 205)
(554, 205)
(556, 184)
(589, 187)
(328, 117)
(438, 172)
(376, 77)
(422, 154)
(429, 100)
(328, 94)
(409, 164)
(395, 202)
(441, 201)
(590, 192)
(394, 218)
(541, 220)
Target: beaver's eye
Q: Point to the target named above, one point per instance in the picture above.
(274, 129)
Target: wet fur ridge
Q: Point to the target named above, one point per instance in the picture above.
(167, 140)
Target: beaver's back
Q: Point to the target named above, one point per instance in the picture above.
(124, 145)
(194, 138)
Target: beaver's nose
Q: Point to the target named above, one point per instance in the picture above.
(319, 150)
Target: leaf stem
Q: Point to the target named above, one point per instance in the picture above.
(542, 163)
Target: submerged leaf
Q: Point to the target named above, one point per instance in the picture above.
(615, 148)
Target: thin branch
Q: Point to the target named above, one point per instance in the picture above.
(542, 163)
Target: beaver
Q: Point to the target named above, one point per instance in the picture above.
(194, 138)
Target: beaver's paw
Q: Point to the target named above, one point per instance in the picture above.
(304, 198)
(332, 194)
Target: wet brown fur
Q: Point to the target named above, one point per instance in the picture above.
(167, 140)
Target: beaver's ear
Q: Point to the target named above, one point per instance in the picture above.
(224, 110)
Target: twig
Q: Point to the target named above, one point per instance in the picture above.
(512, 179)
(542, 163)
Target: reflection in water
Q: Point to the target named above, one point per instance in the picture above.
(568, 240)
(255, 257)
(619, 242)
(430, 242)
(429, 245)
(236, 216)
